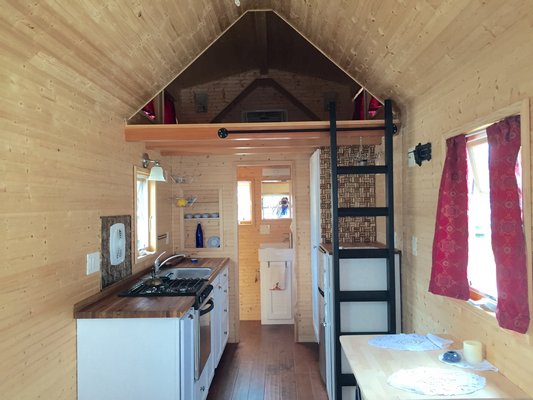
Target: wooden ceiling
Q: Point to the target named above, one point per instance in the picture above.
(121, 53)
(260, 40)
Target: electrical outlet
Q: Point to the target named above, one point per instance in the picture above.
(411, 157)
(414, 245)
(93, 262)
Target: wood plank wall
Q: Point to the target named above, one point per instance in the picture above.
(221, 171)
(499, 76)
(250, 239)
(70, 74)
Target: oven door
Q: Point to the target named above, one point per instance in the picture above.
(203, 338)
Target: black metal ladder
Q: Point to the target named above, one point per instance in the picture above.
(387, 253)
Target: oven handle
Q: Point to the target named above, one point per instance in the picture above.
(208, 309)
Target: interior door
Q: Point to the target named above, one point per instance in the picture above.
(314, 193)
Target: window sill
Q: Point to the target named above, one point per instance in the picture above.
(482, 304)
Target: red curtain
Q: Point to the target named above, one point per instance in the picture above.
(450, 243)
(170, 110)
(149, 110)
(508, 242)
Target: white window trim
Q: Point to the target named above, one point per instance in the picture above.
(152, 239)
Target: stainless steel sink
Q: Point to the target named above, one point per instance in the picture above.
(186, 273)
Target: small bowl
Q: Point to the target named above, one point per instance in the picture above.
(197, 215)
(214, 215)
(188, 216)
(451, 357)
(205, 215)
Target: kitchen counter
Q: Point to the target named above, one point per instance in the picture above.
(107, 304)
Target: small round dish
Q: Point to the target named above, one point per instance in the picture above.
(451, 357)
(188, 216)
(214, 215)
(197, 215)
(213, 241)
(205, 215)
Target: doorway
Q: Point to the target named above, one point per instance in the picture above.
(265, 215)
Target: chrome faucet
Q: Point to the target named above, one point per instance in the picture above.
(158, 264)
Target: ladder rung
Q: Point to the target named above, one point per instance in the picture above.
(363, 212)
(362, 169)
(364, 295)
(364, 253)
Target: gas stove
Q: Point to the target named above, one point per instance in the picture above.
(199, 288)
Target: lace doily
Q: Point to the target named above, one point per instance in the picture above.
(410, 341)
(482, 366)
(436, 381)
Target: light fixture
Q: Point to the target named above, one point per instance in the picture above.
(156, 173)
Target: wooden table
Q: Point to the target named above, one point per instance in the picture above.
(373, 365)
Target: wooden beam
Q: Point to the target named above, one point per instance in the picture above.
(262, 41)
(141, 133)
(266, 82)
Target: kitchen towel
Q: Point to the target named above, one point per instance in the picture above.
(278, 274)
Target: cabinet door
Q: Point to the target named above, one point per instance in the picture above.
(216, 318)
(224, 320)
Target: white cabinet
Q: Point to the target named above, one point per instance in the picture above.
(356, 274)
(220, 324)
(276, 285)
(134, 358)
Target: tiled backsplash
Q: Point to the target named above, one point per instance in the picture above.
(354, 191)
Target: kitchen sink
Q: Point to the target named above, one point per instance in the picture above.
(186, 273)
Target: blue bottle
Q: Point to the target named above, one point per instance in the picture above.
(199, 236)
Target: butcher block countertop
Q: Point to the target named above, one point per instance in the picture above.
(107, 304)
(373, 365)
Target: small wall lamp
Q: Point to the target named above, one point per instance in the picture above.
(422, 152)
(156, 173)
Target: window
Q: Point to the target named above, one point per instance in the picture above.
(145, 242)
(481, 263)
(244, 202)
(275, 200)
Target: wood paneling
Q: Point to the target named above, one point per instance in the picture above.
(70, 74)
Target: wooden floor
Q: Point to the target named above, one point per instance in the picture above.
(268, 365)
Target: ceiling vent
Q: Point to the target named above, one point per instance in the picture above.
(264, 116)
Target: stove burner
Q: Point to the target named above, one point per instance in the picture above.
(169, 287)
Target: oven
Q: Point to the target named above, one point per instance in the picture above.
(202, 343)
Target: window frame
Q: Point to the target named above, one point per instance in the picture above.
(251, 192)
(289, 195)
(141, 254)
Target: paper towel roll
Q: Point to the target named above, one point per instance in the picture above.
(473, 351)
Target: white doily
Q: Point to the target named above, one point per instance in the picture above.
(482, 366)
(410, 341)
(436, 381)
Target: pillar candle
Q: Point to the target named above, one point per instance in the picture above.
(473, 351)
